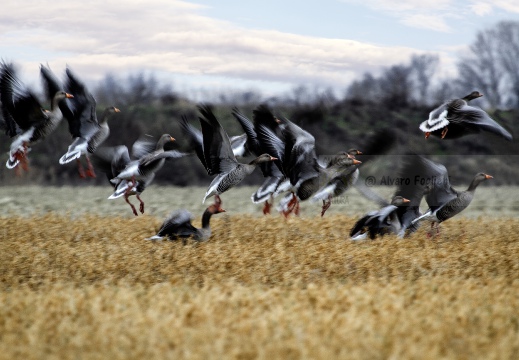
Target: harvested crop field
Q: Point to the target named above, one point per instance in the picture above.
(81, 283)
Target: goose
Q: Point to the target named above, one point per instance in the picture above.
(339, 184)
(380, 222)
(455, 118)
(273, 175)
(218, 158)
(87, 131)
(26, 120)
(410, 185)
(196, 143)
(111, 161)
(131, 176)
(443, 200)
(295, 149)
(178, 224)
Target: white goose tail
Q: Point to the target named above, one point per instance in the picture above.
(69, 156)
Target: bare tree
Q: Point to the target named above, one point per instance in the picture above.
(492, 65)
(423, 68)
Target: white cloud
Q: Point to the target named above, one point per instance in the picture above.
(431, 22)
(508, 5)
(96, 37)
(481, 8)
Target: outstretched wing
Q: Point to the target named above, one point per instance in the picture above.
(20, 107)
(218, 153)
(83, 122)
(195, 139)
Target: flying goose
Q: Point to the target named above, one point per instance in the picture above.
(218, 158)
(131, 175)
(443, 200)
(455, 118)
(273, 175)
(26, 120)
(87, 132)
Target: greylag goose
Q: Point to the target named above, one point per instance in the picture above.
(273, 175)
(218, 158)
(26, 121)
(380, 222)
(339, 184)
(455, 118)
(295, 150)
(111, 161)
(443, 200)
(300, 164)
(178, 224)
(131, 177)
(196, 141)
(87, 131)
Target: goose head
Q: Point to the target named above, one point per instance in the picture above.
(163, 140)
(399, 200)
(262, 158)
(353, 152)
(60, 95)
(479, 178)
(473, 95)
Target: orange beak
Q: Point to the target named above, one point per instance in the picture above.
(356, 162)
(116, 109)
(272, 158)
(171, 138)
(70, 96)
(488, 176)
(406, 200)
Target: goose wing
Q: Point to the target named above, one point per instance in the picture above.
(195, 139)
(218, 153)
(83, 122)
(178, 223)
(476, 120)
(20, 107)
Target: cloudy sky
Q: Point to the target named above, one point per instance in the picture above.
(269, 46)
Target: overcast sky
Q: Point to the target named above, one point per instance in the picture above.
(269, 46)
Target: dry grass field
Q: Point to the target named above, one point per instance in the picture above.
(77, 280)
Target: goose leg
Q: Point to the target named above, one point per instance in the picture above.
(131, 205)
(23, 157)
(141, 206)
(80, 169)
(296, 207)
(326, 205)
(427, 134)
(430, 232)
(131, 184)
(444, 132)
(266, 207)
(290, 206)
(90, 171)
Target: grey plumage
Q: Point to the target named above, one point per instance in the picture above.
(455, 118)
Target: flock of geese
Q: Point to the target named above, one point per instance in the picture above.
(284, 152)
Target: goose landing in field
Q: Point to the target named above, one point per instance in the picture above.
(444, 201)
(178, 224)
(217, 155)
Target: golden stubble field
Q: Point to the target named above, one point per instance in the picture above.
(88, 286)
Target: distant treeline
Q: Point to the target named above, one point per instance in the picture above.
(399, 98)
